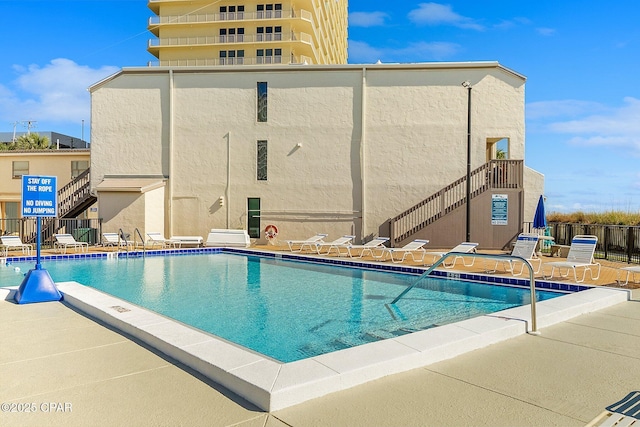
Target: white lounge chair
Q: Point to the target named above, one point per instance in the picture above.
(525, 247)
(180, 241)
(65, 241)
(336, 244)
(411, 248)
(112, 239)
(310, 242)
(580, 256)
(369, 247)
(624, 413)
(157, 239)
(631, 271)
(466, 247)
(14, 242)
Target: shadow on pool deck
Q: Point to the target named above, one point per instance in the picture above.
(71, 370)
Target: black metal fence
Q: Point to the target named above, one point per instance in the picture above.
(615, 242)
(83, 230)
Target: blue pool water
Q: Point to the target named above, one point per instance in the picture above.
(283, 309)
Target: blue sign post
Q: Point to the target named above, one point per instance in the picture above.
(39, 198)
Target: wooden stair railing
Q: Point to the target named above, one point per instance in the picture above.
(491, 175)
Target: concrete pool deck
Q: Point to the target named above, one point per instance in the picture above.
(52, 354)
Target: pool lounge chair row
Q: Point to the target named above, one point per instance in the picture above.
(216, 237)
(376, 249)
(318, 245)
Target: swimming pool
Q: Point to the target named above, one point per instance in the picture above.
(286, 310)
(271, 384)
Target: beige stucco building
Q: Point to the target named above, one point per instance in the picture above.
(63, 164)
(337, 149)
(248, 32)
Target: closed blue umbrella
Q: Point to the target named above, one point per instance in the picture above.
(540, 219)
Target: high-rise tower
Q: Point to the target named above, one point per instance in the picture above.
(248, 32)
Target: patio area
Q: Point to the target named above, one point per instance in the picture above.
(59, 367)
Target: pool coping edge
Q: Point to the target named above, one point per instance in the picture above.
(272, 385)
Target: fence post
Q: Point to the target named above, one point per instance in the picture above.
(630, 244)
(606, 242)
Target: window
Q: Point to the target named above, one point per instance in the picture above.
(269, 33)
(253, 217)
(231, 12)
(77, 167)
(10, 224)
(269, 56)
(20, 168)
(262, 161)
(231, 35)
(269, 10)
(231, 57)
(262, 101)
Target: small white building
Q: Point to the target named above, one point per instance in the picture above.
(340, 149)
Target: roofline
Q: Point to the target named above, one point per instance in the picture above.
(287, 68)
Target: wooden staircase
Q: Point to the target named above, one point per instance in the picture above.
(75, 197)
(497, 174)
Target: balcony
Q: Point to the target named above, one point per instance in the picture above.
(230, 38)
(230, 16)
(256, 60)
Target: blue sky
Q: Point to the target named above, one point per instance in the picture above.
(580, 58)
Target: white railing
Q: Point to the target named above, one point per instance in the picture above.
(230, 38)
(256, 60)
(229, 16)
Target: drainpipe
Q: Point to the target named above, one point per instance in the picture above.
(363, 163)
(227, 191)
(169, 210)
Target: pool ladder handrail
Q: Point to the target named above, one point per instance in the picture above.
(532, 281)
(122, 237)
(144, 246)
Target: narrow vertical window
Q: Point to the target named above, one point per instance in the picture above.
(262, 101)
(262, 161)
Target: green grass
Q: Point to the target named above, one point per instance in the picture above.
(605, 218)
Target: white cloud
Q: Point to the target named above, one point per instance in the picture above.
(589, 123)
(367, 19)
(546, 31)
(441, 14)
(562, 108)
(422, 51)
(55, 93)
(361, 52)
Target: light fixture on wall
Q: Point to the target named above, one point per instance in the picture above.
(467, 85)
(299, 144)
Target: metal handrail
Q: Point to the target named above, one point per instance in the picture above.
(136, 231)
(532, 281)
(123, 237)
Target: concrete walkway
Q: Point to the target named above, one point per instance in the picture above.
(69, 370)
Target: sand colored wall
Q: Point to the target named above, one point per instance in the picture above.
(348, 147)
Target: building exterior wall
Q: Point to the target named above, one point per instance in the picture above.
(348, 146)
(533, 189)
(189, 32)
(41, 162)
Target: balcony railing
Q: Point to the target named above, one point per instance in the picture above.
(230, 16)
(230, 38)
(255, 60)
